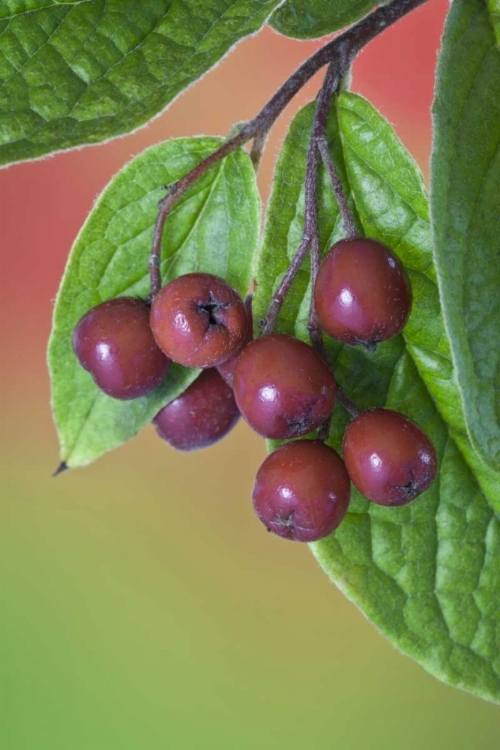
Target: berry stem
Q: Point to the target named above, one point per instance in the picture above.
(279, 297)
(323, 105)
(346, 213)
(339, 52)
(317, 144)
(346, 402)
(310, 239)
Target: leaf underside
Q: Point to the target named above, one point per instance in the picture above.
(81, 73)
(213, 228)
(465, 210)
(307, 19)
(428, 574)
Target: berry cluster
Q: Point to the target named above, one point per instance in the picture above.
(281, 386)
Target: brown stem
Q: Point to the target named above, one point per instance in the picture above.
(340, 51)
(310, 238)
(318, 137)
(175, 191)
(279, 297)
(318, 133)
(345, 211)
(346, 402)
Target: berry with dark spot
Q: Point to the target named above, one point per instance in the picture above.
(198, 320)
(362, 292)
(283, 388)
(302, 491)
(114, 342)
(388, 457)
(199, 417)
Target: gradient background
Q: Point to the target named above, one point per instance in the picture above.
(142, 605)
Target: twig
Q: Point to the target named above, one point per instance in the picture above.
(340, 51)
(318, 132)
(345, 211)
(346, 402)
(279, 297)
(310, 232)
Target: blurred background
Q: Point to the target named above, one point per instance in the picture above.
(143, 605)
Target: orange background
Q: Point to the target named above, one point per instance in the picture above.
(144, 604)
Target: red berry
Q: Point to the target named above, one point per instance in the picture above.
(198, 320)
(226, 369)
(362, 292)
(114, 342)
(283, 388)
(302, 491)
(201, 416)
(388, 457)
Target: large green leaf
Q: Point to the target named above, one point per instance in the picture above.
(466, 213)
(79, 74)
(213, 228)
(427, 574)
(307, 19)
(10, 8)
(494, 14)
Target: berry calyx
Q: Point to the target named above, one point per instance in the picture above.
(114, 342)
(302, 491)
(198, 320)
(388, 457)
(283, 388)
(362, 292)
(200, 416)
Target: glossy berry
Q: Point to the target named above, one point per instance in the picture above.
(389, 459)
(362, 293)
(283, 388)
(226, 369)
(201, 416)
(114, 342)
(302, 491)
(198, 320)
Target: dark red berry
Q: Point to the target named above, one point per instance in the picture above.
(362, 292)
(201, 416)
(283, 388)
(226, 369)
(114, 342)
(302, 491)
(198, 320)
(388, 457)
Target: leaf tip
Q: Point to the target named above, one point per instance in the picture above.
(63, 466)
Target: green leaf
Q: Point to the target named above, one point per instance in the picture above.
(465, 216)
(213, 228)
(428, 574)
(83, 73)
(11, 8)
(307, 19)
(494, 14)
(425, 574)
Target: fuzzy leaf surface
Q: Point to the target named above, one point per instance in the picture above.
(307, 19)
(466, 213)
(426, 574)
(83, 73)
(213, 228)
